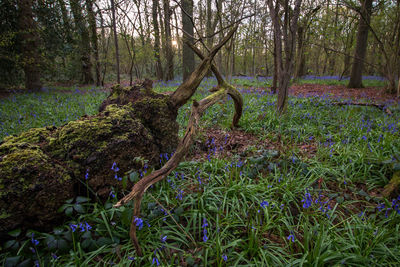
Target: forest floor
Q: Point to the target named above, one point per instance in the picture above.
(301, 189)
(375, 94)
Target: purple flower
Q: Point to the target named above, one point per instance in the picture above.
(155, 260)
(224, 257)
(163, 239)
(34, 241)
(264, 204)
(87, 174)
(139, 222)
(291, 237)
(307, 200)
(131, 258)
(73, 227)
(112, 195)
(88, 227)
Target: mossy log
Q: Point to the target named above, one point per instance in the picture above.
(42, 168)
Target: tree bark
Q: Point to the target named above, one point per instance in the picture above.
(115, 40)
(361, 45)
(169, 74)
(31, 60)
(187, 53)
(95, 46)
(80, 25)
(157, 53)
(288, 29)
(300, 62)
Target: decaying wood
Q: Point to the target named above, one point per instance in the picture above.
(179, 97)
(381, 107)
(392, 186)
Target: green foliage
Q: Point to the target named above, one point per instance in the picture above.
(261, 208)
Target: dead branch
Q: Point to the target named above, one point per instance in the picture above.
(232, 91)
(381, 107)
(188, 87)
(197, 110)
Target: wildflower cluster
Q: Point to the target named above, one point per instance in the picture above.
(324, 206)
(205, 224)
(395, 206)
(155, 259)
(82, 226)
(115, 168)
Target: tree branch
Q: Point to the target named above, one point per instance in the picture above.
(188, 88)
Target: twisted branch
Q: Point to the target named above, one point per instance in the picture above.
(197, 111)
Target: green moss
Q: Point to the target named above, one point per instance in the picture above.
(77, 140)
(22, 168)
(4, 215)
(32, 136)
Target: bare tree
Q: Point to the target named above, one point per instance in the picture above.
(157, 53)
(169, 54)
(187, 53)
(80, 25)
(31, 61)
(361, 45)
(114, 24)
(93, 31)
(288, 30)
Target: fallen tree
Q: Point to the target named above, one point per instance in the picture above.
(42, 168)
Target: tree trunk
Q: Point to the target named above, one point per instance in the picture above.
(157, 53)
(300, 62)
(169, 75)
(187, 53)
(114, 24)
(80, 25)
(95, 46)
(287, 29)
(361, 45)
(31, 60)
(275, 74)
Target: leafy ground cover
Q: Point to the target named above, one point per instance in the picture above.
(298, 190)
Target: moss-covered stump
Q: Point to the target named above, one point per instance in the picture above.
(41, 168)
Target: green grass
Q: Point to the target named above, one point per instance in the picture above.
(21, 112)
(357, 150)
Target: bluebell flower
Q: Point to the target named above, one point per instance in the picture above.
(224, 257)
(180, 194)
(381, 206)
(54, 256)
(73, 227)
(131, 258)
(155, 260)
(34, 241)
(87, 174)
(163, 239)
(291, 237)
(264, 204)
(307, 200)
(139, 222)
(112, 194)
(88, 227)
(205, 224)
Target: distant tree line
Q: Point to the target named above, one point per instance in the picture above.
(100, 41)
